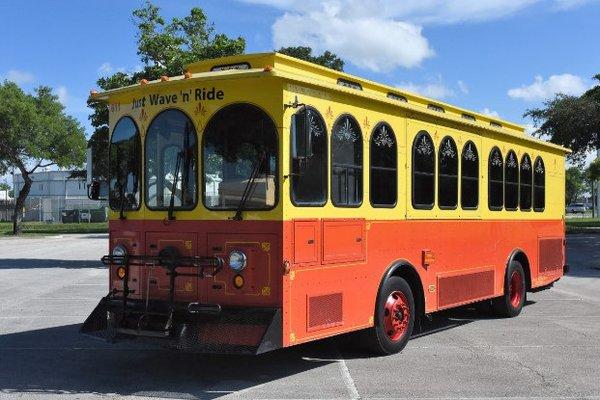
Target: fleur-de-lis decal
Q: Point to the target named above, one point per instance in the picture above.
(383, 138)
(143, 115)
(469, 154)
(200, 109)
(366, 123)
(329, 113)
(526, 164)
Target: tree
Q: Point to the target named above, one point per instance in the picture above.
(35, 132)
(164, 49)
(575, 184)
(570, 121)
(327, 59)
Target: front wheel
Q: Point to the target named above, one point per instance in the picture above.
(394, 317)
(511, 303)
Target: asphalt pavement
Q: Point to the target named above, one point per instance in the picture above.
(48, 285)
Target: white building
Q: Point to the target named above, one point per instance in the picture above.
(51, 193)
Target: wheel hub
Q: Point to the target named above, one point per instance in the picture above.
(396, 315)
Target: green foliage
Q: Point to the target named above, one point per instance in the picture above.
(593, 170)
(575, 184)
(164, 49)
(570, 121)
(4, 187)
(35, 131)
(327, 59)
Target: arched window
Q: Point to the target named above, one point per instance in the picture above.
(171, 157)
(309, 158)
(495, 180)
(239, 153)
(539, 185)
(423, 171)
(346, 162)
(447, 174)
(384, 166)
(511, 182)
(469, 177)
(125, 167)
(525, 183)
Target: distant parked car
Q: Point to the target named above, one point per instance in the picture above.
(576, 208)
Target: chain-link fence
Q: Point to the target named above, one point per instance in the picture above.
(58, 209)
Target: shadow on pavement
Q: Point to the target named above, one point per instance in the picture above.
(60, 361)
(31, 263)
(583, 256)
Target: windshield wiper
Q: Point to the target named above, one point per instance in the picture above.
(248, 188)
(122, 205)
(170, 215)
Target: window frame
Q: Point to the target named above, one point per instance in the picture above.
(361, 168)
(475, 179)
(533, 185)
(490, 207)
(141, 164)
(277, 168)
(530, 184)
(507, 183)
(327, 169)
(395, 169)
(416, 206)
(439, 174)
(197, 194)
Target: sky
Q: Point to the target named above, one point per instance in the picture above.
(499, 57)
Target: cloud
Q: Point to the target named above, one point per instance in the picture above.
(435, 89)
(491, 113)
(384, 44)
(63, 95)
(72, 104)
(106, 68)
(463, 87)
(562, 5)
(19, 77)
(542, 89)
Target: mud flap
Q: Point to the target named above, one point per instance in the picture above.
(100, 323)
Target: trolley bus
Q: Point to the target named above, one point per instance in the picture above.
(260, 201)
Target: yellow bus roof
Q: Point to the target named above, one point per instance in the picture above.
(293, 69)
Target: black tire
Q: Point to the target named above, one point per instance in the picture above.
(377, 338)
(515, 292)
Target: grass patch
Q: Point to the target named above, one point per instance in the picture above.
(42, 228)
(583, 225)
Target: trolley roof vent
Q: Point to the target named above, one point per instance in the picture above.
(349, 84)
(435, 107)
(469, 117)
(397, 97)
(495, 124)
(226, 67)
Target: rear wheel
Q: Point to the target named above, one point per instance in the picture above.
(511, 303)
(394, 317)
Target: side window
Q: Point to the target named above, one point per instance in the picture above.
(511, 182)
(423, 171)
(384, 167)
(447, 174)
(495, 180)
(309, 158)
(346, 162)
(525, 184)
(125, 166)
(539, 185)
(469, 177)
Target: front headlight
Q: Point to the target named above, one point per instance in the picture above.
(119, 252)
(237, 260)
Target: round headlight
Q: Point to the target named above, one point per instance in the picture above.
(119, 251)
(237, 260)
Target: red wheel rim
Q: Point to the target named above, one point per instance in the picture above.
(396, 315)
(515, 290)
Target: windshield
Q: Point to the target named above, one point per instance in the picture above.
(171, 135)
(124, 168)
(235, 140)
